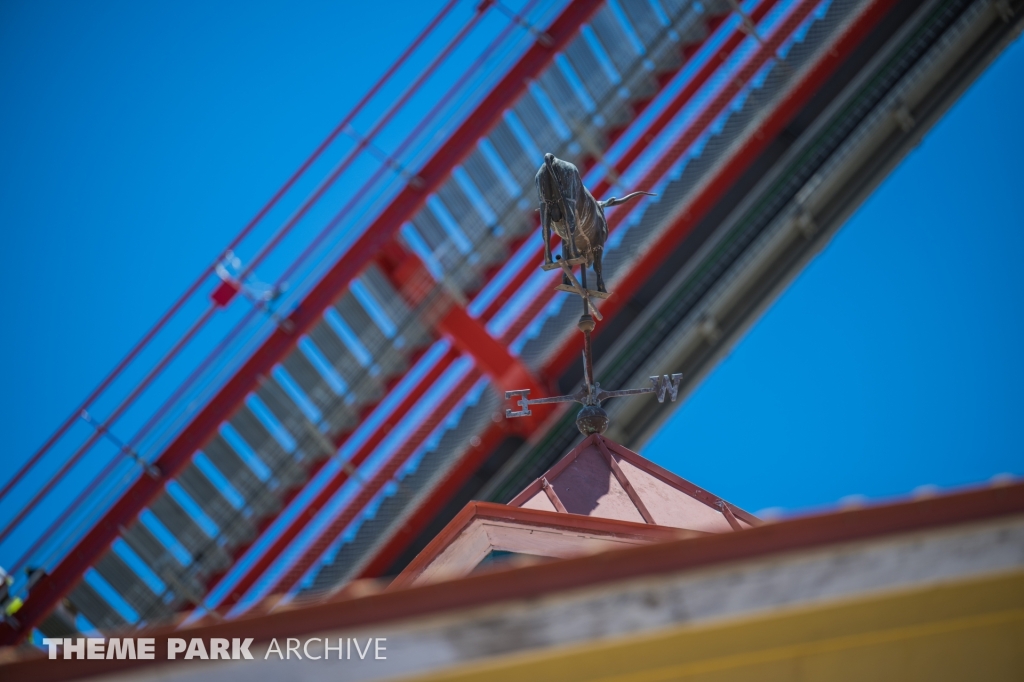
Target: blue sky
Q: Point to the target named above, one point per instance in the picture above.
(137, 138)
(141, 139)
(894, 361)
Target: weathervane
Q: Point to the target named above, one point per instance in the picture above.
(578, 219)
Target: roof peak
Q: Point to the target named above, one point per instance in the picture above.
(599, 496)
(600, 477)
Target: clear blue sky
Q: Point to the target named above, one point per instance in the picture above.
(896, 359)
(137, 138)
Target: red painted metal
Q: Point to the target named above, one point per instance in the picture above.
(361, 146)
(96, 435)
(506, 371)
(654, 128)
(772, 125)
(493, 358)
(409, 265)
(758, 141)
(257, 569)
(714, 109)
(439, 496)
(369, 491)
(225, 292)
(173, 310)
(52, 587)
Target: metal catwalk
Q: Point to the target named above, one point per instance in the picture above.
(327, 394)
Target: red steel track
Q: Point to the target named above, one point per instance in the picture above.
(68, 571)
(256, 220)
(336, 527)
(491, 356)
(700, 78)
(313, 507)
(711, 192)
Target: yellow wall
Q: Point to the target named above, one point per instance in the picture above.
(965, 631)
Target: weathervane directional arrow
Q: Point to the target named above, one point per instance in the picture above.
(661, 385)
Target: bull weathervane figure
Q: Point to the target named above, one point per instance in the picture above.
(578, 218)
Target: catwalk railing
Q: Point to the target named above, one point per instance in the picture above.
(204, 338)
(688, 188)
(462, 260)
(256, 421)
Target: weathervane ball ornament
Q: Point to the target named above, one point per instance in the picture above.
(592, 419)
(568, 207)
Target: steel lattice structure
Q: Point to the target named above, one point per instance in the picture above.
(328, 392)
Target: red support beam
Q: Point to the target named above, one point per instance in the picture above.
(654, 128)
(491, 356)
(51, 588)
(468, 336)
(410, 276)
(368, 491)
(756, 143)
(439, 496)
(257, 569)
(133, 353)
(711, 112)
(771, 126)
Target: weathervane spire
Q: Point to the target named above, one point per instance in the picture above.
(568, 207)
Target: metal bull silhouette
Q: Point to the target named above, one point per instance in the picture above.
(577, 217)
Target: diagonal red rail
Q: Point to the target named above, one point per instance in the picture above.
(303, 518)
(68, 571)
(86, 493)
(83, 450)
(797, 97)
(369, 491)
(173, 310)
(462, 337)
(654, 129)
(629, 156)
(259, 567)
